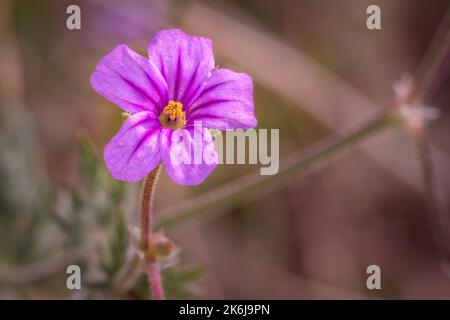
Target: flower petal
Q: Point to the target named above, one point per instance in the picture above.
(225, 103)
(185, 62)
(130, 81)
(188, 155)
(134, 151)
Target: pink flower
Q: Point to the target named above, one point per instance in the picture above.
(165, 94)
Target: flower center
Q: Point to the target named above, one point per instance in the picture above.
(173, 116)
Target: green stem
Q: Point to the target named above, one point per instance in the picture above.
(245, 188)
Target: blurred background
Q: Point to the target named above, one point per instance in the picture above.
(316, 69)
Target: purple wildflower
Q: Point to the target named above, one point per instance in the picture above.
(176, 86)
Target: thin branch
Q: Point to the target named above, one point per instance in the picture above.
(252, 185)
(439, 215)
(434, 65)
(435, 62)
(147, 200)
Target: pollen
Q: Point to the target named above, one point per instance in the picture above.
(125, 116)
(173, 116)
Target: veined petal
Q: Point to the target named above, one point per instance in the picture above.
(185, 62)
(188, 155)
(134, 151)
(225, 103)
(130, 81)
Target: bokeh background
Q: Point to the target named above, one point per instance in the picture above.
(317, 70)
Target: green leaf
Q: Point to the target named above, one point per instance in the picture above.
(177, 281)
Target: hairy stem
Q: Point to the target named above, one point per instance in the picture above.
(147, 197)
(154, 276)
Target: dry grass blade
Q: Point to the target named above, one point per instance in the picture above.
(252, 185)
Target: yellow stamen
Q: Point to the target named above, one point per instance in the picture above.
(173, 116)
(125, 116)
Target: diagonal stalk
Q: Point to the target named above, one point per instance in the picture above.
(436, 60)
(244, 188)
(249, 186)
